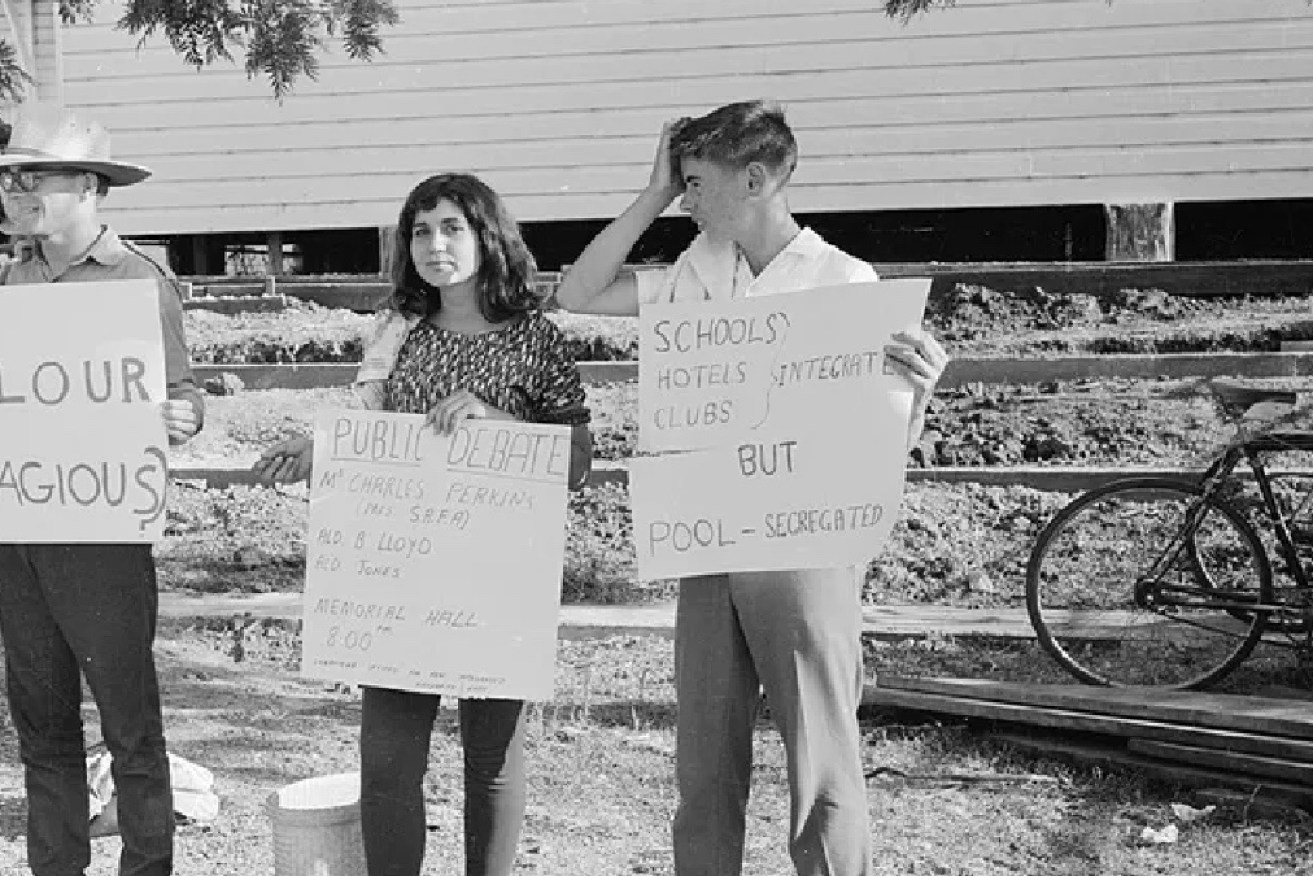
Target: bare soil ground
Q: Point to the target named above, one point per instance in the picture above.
(954, 544)
(601, 762)
(601, 773)
(971, 320)
(1071, 423)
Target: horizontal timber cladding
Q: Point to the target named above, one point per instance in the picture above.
(556, 103)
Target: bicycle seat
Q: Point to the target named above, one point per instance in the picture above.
(1238, 397)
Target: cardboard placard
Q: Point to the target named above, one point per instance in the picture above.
(795, 434)
(85, 450)
(434, 562)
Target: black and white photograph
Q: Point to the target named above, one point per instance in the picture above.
(636, 438)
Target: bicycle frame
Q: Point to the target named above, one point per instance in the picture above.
(1151, 587)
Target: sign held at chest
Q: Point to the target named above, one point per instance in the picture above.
(82, 377)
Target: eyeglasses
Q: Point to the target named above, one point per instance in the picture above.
(28, 181)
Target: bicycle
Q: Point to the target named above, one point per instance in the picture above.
(1169, 581)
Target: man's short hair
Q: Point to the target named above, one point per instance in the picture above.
(738, 134)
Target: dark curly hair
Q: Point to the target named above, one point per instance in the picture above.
(506, 267)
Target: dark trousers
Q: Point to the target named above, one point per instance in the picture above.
(395, 729)
(72, 610)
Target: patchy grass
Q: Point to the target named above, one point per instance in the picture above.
(601, 772)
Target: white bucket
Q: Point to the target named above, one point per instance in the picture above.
(316, 827)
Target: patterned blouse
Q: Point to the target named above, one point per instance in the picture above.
(523, 369)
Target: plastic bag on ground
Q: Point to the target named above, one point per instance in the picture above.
(193, 792)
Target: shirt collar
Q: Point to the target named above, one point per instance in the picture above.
(108, 249)
(805, 244)
(720, 265)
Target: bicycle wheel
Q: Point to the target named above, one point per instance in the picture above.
(1294, 495)
(1081, 586)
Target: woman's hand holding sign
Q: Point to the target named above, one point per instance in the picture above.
(461, 405)
(286, 462)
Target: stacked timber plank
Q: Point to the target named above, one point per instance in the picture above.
(1251, 750)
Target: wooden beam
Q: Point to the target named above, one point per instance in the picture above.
(1195, 279)
(1087, 722)
(200, 261)
(1246, 714)
(1231, 761)
(274, 241)
(1090, 752)
(385, 235)
(1140, 232)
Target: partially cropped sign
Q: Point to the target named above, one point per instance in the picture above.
(792, 429)
(434, 562)
(83, 456)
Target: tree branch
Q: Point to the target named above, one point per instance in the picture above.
(14, 80)
(906, 10)
(282, 39)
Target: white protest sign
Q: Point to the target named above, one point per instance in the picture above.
(806, 468)
(433, 563)
(713, 374)
(84, 455)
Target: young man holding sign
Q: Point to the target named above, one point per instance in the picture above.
(68, 610)
(797, 634)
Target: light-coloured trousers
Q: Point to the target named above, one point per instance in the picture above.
(797, 635)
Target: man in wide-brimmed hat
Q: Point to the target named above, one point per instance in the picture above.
(68, 610)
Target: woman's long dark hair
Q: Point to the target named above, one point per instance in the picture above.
(506, 267)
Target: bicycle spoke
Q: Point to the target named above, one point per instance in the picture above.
(1185, 629)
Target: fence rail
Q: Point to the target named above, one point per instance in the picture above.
(960, 371)
(1195, 279)
(1061, 479)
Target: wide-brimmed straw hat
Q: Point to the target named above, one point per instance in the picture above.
(48, 136)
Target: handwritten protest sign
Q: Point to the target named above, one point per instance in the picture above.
(716, 374)
(433, 562)
(84, 452)
(798, 444)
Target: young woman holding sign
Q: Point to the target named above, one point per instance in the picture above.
(464, 338)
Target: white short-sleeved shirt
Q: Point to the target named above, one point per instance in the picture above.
(715, 271)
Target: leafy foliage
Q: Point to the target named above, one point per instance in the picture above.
(281, 39)
(909, 9)
(13, 79)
